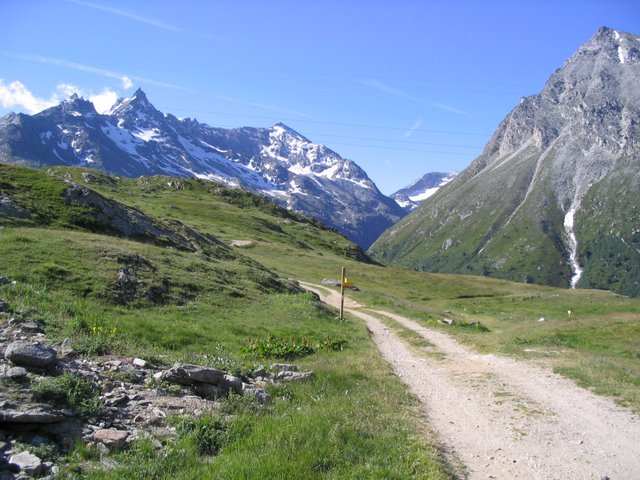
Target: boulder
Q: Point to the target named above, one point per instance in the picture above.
(185, 374)
(111, 438)
(29, 463)
(30, 354)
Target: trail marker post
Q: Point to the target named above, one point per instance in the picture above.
(342, 276)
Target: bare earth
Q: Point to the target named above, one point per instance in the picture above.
(504, 418)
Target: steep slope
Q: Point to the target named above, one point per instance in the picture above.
(135, 139)
(424, 187)
(553, 197)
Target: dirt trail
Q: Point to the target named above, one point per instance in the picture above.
(505, 418)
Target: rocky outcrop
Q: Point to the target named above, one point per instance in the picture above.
(135, 397)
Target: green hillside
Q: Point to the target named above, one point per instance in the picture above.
(189, 296)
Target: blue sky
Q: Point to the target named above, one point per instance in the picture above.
(401, 87)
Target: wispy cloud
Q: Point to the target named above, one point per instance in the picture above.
(126, 80)
(412, 128)
(16, 94)
(449, 108)
(145, 19)
(262, 105)
(378, 85)
(129, 15)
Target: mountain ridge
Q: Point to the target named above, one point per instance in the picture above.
(524, 209)
(135, 139)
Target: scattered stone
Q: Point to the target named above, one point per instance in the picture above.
(330, 282)
(111, 438)
(35, 327)
(447, 321)
(293, 376)
(6, 281)
(29, 463)
(140, 363)
(541, 320)
(284, 367)
(232, 383)
(4, 307)
(16, 373)
(30, 354)
(263, 397)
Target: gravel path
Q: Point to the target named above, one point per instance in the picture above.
(505, 418)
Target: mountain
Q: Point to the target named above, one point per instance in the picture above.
(135, 139)
(554, 197)
(413, 195)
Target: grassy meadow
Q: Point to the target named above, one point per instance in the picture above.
(353, 419)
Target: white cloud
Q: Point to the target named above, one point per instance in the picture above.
(126, 83)
(104, 100)
(16, 94)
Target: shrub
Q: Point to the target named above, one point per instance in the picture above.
(280, 347)
(207, 433)
(73, 390)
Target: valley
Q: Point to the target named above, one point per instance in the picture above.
(177, 291)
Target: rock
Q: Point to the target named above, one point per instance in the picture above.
(185, 374)
(330, 282)
(36, 327)
(232, 383)
(259, 394)
(28, 463)
(5, 281)
(293, 376)
(208, 391)
(447, 321)
(140, 363)
(31, 413)
(30, 354)
(111, 438)
(4, 307)
(284, 367)
(259, 372)
(16, 373)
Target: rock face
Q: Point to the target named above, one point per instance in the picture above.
(134, 139)
(554, 196)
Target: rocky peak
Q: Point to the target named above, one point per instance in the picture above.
(136, 106)
(76, 105)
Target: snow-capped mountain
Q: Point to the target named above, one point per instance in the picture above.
(555, 196)
(135, 139)
(413, 195)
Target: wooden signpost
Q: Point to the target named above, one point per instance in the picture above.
(342, 279)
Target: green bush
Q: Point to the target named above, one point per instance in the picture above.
(73, 390)
(207, 433)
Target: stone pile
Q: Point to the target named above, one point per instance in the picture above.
(136, 397)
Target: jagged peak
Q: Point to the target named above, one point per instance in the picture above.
(78, 104)
(138, 101)
(288, 130)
